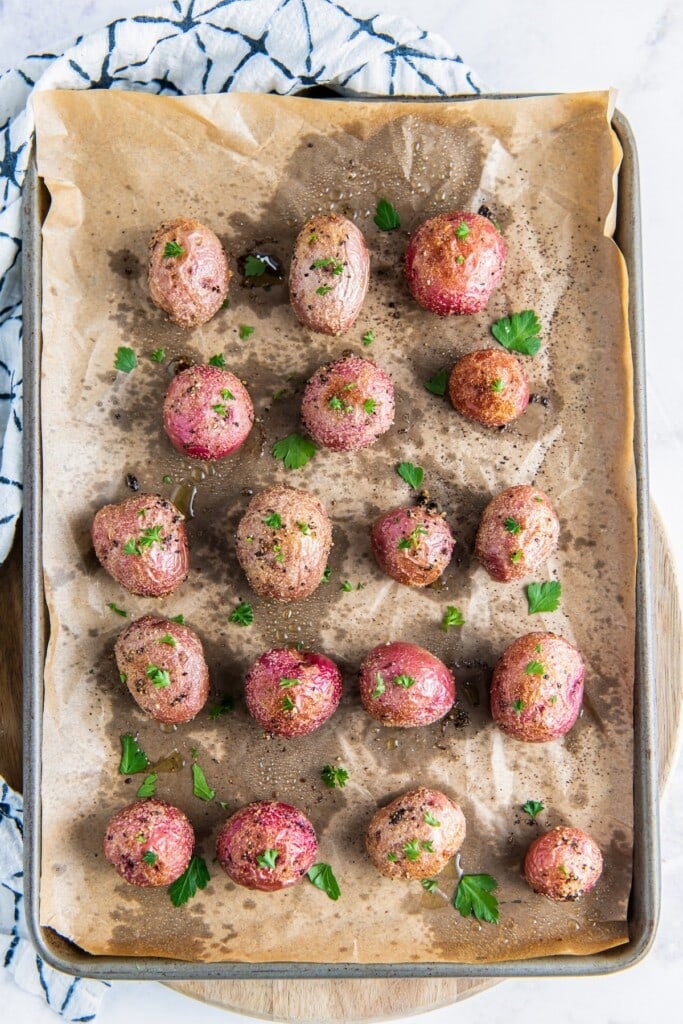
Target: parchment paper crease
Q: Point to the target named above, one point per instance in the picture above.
(254, 168)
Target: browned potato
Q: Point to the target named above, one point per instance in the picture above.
(563, 864)
(348, 404)
(489, 386)
(412, 545)
(291, 693)
(329, 274)
(404, 685)
(537, 687)
(142, 543)
(188, 271)
(207, 412)
(415, 835)
(149, 842)
(283, 541)
(162, 663)
(518, 533)
(267, 846)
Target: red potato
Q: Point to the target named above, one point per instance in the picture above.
(348, 404)
(142, 543)
(188, 271)
(208, 412)
(453, 262)
(404, 685)
(563, 864)
(162, 663)
(412, 545)
(489, 386)
(415, 835)
(149, 842)
(329, 274)
(283, 541)
(537, 688)
(290, 693)
(518, 533)
(267, 846)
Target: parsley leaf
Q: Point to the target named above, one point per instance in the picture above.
(305, 528)
(172, 249)
(437, 384)
(413, 475)
(327, 574)
(405, 681)
(322, 877)
(267, 859)
(323, 289)
(158, 355)
(166, 479)
(169, 640)
(335, 266)
(200, 786)
(160, 677)
(334, 777)
(150, 857)
(386, 218)
(512, 526)
(518, 706)
(391, 856)
(533, 807)
(179, 618)
(218, 360)
(294, 450)
(245, 331)
(412, 541)
(287, 703)
(452, 617)
(429, 884)
(254, 267)
(498, 386)
(519, 332)
(474, 896)
(125, 359)
(462, 230)
(243, 614)
(431, 820)
(369, 405)
(380, 687)
(195, 876)
(286, 682)
(412, 849)
(225, 705)
(274, 520)
(148, 785)
(368, 338)
(544, 597)
(119, 611)
(516, 557)
(534, 668)
(347, 586)
(133, 758)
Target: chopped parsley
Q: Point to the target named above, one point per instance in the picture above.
(474, 897)
(411, 541)
(429, 884)
(412, 849)
(544, 597)
(245, 331)
(339, 405)
(380, 687)
(160, 677)
(285, 682)
(498, 386)
(533, 808)
(534, 668)
(172, 250)
(323, 289)
(386, 217)
(274, 520)
(452, 617)
(518, 706)
(413, 475)
(512, 526)
(287, 703)
(437, 384)
(119, 611)
(169, 640)
(133, 758)
(368, 338)
(431, 820)
(305, 528)
(405, 681)
(179, 618)
(328, 262)
(158, 355)
(224, 707)
(369, 405)
(243, 614)
(335, 778)
(516, 557)
(218, 360)
(346, 586)
(195, 876)
(267, 859)
(294, 450)
(200, 786)
(322, 877)
(254, 267)
(462, 230)
(125, 359)
(519, 332)
(148, 785)
(150, 857)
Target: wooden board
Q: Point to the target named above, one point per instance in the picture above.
(337, 1001)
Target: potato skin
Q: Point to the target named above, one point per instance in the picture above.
(208, 412)
(161, 562)
(429, 539)
(539, 529)
(315, 697)
(144, 826)
(539, 707)
(153, 641)
(335, 239)
(349, 383)
(193, 286)
(563, 864)
(403, 822)
(473, 382)
(285, 562)
(425, 700)
(261, 826)
(447, 274)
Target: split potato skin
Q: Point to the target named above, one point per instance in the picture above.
(149, 827)
(489, 386)
(518, 533)
(142, 543)
(563, 864)
(291, 693)
(402, 843)
(329, 274)
(208, 412)
(537, 688)
(404, 685)
(267, 826)
(348, 404)
(162, 663)
(412, 545)
(453, 263)
(283, 542)
(191, 286)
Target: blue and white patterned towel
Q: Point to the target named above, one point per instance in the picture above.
(187, 47)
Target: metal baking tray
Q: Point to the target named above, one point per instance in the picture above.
(645, 892)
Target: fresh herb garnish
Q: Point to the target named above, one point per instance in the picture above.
(245, 331)
(322, 877)
(339, 405)
(516, 557)
(169, 640)
(380, 687)
(227, 395)
(286, 683)
(438, 383)
(179, 618)
(267, 859)
(391, 856)
(225, 705)
(243, 614)
(369, 405)
(462, 230)
(413, 475)
(158, 355)
(533, 808)
(347, 586)
(460, 259)
(327, 574)
(519, 332)
(166, 479)
(518, 706)
(411, 541)
(386, 218)
(498, 386)
(150, 857)
(133, 759)
(218, 360)
(148, 785)
(335, 266)
(195, 876)
(160, 677)
(543, 597)
(305, 528)
(200, 786)
(254, 267)
(368, 338)
(125, 359)
(431, 820)
(405, 681)
(429, 884)
(172, 250)
(279, 553)
(323, 289)
(287, 703)
(131, 547)
(412, 849)
(334, 777)
(274, 520)
(512, 526)
(119, 611)
(294, 450)
(428, 845)
(452, 617)
(534, 668)
(474, 897)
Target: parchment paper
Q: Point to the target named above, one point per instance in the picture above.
(254, 168)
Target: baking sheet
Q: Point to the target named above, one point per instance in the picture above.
(530, 161)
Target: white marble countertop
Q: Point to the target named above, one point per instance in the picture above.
(522, 47)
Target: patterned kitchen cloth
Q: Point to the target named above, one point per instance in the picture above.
(187, 47)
